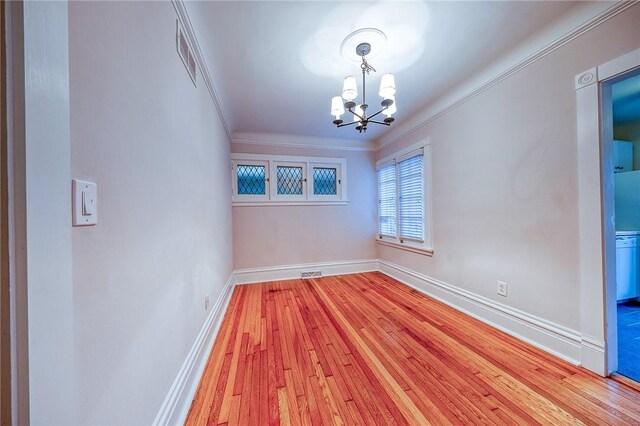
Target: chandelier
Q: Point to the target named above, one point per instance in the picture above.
(350, 92)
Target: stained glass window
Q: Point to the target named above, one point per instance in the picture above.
(251, 179)
(324, 181)
(268, 179)
(289, 180)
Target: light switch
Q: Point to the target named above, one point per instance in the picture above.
(88, 203)
(85, 203)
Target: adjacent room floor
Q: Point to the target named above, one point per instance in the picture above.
(366, 349)
(629, 339)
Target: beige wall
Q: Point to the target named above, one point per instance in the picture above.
(157, 150)
(505, 203)
(287, 235)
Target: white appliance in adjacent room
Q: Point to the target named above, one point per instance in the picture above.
(627, 264)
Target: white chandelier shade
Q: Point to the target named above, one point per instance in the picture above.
(387, 86)
(349, 88)
(359, 111)
(337, 108)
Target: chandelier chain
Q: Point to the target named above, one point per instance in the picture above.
(366, 67)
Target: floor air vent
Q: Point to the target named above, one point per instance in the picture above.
(311, 274)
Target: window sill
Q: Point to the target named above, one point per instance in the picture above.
(287, 203)
(407, 247)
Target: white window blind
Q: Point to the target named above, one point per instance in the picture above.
(411, 200)
(387, 198)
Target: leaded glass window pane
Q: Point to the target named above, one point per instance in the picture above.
(324, 181)
(289, 180)
(251, 179)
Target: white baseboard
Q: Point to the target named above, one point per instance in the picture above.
(593, 355)
(287, 272)
(175, 406)
(550, 337)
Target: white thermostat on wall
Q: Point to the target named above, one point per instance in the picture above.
(85, 203)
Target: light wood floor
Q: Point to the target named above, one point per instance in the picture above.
(366, 349)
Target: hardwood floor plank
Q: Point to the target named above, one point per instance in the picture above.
(355, 414)
(308, 405)
(214, 364)
(341, 375)
(219, 392)
(247, 391)
(283, 407)
(455, 385)
(394, 390)
(333, 391)
(366, 349)
(292, 401)
(234, 410)
(369, 403)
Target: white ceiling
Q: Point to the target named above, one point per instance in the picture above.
(276, 64)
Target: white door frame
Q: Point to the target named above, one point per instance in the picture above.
(596, 213)
(39, 176)
(16, 211)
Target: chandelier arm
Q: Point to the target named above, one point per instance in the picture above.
(347, 124)
(371, 116)
(356, 114)
(379, 122)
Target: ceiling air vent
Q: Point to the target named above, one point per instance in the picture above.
(185, 51)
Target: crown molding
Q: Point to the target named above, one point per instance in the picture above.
(296, 141)
(574, 25)
(183, 16)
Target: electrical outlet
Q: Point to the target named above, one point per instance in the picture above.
(502, 288)
(206, 302)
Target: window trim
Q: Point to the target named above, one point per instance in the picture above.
(425, 247)
(234, 180)
(340, 181)
(414, 248)
(274, 181)
(272, 198)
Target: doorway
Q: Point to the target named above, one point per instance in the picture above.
(596, 212)
(622, 95)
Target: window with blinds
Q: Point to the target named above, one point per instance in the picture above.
(387, 201)
(401, 199)
(411, 199)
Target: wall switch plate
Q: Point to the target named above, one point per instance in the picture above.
(502, 288)
(206, 302)
(85, 203)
